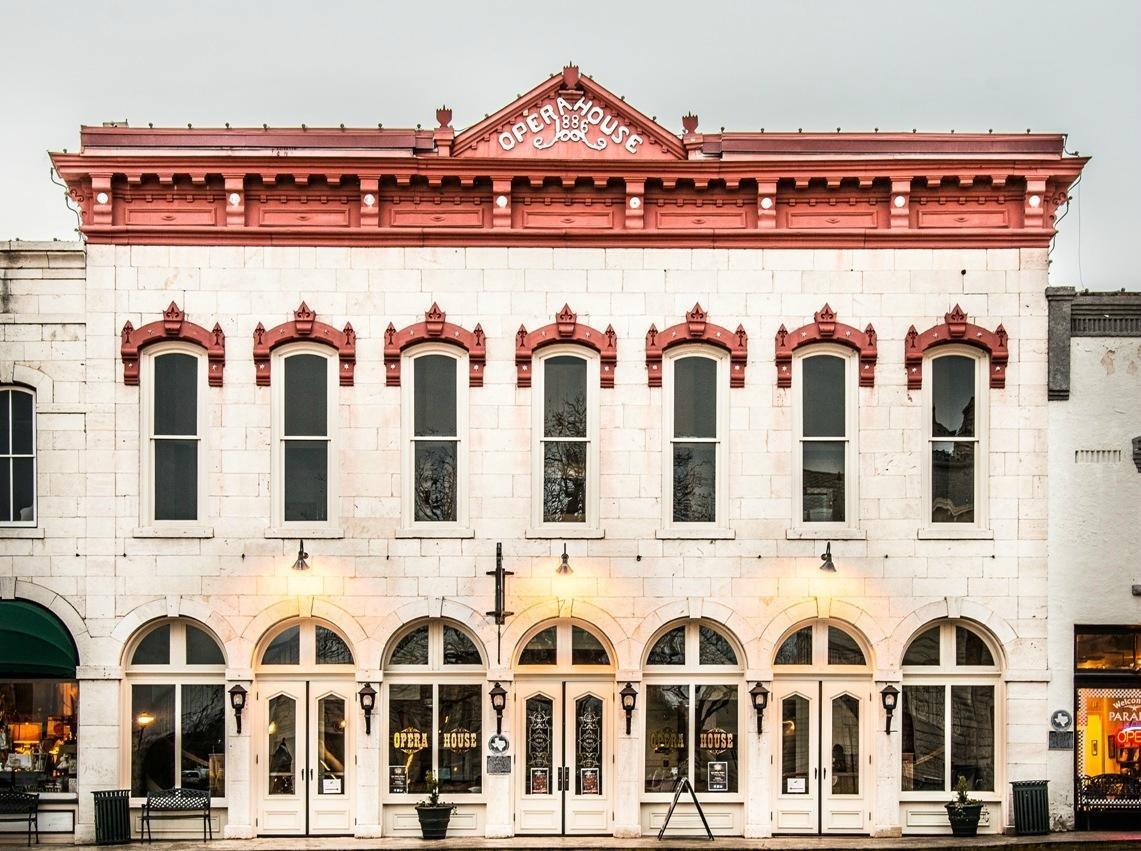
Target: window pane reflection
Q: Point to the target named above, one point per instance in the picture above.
(924, 755)
(331, 746)
(695, 397)
(952, 482)
(667, 745)
(281, 738)
(845, 745)
(564, 482)
(204, 739)
(794, 745)
(152, 740)
(823, 481)
(435, 480)
(694, 482)
(716, 757)
(823, 396)
(460, 739)
(669, 649)
(796, 649)
(972, 736)
(539, 746)
(409, 736)
(542, 649)
(564, 397)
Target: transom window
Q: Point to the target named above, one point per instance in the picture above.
(690, 643)
(562, 644)
(696, 414)
(956, 427)
(435, 420)
(434, 689)
(177, 704)
(824, 419)
(306, 408)
(17, 457)
(173, 418)
(949, 709)
(306, 643)
(819, 644)
(566, 427)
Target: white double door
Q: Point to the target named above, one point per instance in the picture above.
(822, 777)
(565, 762)
(303, 757)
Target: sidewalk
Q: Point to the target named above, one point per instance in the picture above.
(1104, 841)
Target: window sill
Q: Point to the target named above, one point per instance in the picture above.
(707, 534)
(951, 533)
(314, 532)
(173, 532)
(21, 531)
(804, 533)
(551, 533)
(427, 532)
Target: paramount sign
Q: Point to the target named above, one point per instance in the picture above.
(584, 122)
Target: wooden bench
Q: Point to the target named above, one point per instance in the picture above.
(21, 807)
(1104, 794)
(176, 803)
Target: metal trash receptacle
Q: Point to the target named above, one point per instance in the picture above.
(112, 817)
(1031, 807)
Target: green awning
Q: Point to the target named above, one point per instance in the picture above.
(33, 643)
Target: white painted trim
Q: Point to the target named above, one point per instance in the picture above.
(165, 531)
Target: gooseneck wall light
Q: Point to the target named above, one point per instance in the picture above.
(302, 562)
(826, 558)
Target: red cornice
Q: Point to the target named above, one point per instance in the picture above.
(173, 326)
(825, 329)
(955, 329)
(697, 329)
(566, 329)
(305, 327)
(434, 329)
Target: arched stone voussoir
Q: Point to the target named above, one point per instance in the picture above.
(182, 607)
(610, 631)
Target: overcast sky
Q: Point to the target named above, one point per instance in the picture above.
(1072, 67)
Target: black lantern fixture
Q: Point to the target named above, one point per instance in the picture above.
(760, 696)
(367, 697)
(238, 703)
(498, 695)
(302, 562)
(890, 697)
(826, 557)
(629, 696)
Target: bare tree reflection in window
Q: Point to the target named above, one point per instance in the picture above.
(564, 440)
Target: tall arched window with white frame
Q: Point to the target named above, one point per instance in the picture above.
(956, 472)
(825, 421)
(173, 481)
(565, 434)
(695, 483)
(434, 424)
(304, 428)
(17, 456)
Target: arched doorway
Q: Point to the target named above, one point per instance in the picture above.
(822, 691)
(304, 730)
(564, 690)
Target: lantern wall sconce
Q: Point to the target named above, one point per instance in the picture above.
(629, 696)
(760, 696)
(890, 697)
(367, 697)
(302, 562)
(498, 695)
(238, 703)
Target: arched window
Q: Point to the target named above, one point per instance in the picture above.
(304, 428)
(694, 713)
(565, 437)
(176, 676)
(563, 644)
(955, 378)
(305, 643)
(950, 710)
(17, 456)
(173, 480)
(825, 424)
(817, 645)
(435, 429)
(696, 422)
(433, 711)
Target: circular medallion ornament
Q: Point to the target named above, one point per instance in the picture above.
(1061, 720)
(498, 744)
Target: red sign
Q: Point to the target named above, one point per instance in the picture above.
(1130, 737)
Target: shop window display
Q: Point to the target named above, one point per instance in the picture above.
(38, 734)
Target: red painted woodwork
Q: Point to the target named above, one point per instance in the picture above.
(697, 329)
(173, 326)
(508, 181)
(434, 328)
(955, 329)
(825, 329)
(566, 329)
(305, 327)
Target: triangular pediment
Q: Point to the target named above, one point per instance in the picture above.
(569, 116)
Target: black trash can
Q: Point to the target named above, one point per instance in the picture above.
(1031, 807)
(112, 817)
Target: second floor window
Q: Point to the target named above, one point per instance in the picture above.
(17, 457)
(825, 426)
(566, 425)
(435, 460)
(174, 450)
(956, 424)
(696, 443)
(305, 437)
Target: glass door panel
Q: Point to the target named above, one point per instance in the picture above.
(794, 745)
(586, 783)
(845, 745)
(282, 767)
(539, 808)
(281, 741)
(330, 749)
(796, 784)
(539, 738)
(588, 746)
(331, 746)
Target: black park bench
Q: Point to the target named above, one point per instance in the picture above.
(176, 803)
(21, 807)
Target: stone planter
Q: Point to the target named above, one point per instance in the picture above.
(964, 818)
(434, 820)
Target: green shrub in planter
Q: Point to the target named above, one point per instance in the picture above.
(433, 815)
(964, 811)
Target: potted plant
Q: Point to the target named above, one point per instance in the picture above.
(964, 811)
(434, 816)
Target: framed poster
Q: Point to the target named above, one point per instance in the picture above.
(540, 781)
(588, 780)
(717, 777)
(796, 785)
(397, 779)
